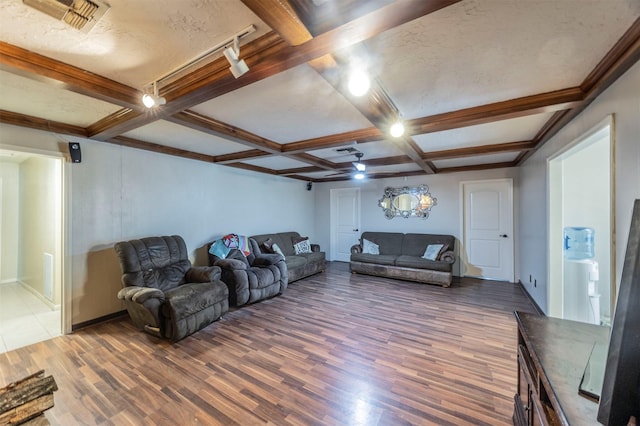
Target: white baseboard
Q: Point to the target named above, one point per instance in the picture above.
(9, 281)
(44, 300)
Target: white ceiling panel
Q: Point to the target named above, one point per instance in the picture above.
(135, 42)
(170, 134)
(277, 163)
(513, 130)
(479, 52)
(480, 159)
(26, 96)
(294, 105)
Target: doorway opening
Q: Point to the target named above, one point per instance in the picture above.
(32, 262)
(581, 199)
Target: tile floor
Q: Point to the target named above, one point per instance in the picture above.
(24, 319)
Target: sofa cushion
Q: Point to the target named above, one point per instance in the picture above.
(238, 255)
(369, 247)
(283, 239)
(302, 245)
(388, 242)
(381, 259)
(294, 262)
(420, 263)
(433, 251)
(416, 244)
(316, 256)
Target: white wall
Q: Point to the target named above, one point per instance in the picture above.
(40, 223)
(444, 218)
(119, 193)
(623, 100)
(10, 176)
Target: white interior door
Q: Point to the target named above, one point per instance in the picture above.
(345, 222)
(487, 250)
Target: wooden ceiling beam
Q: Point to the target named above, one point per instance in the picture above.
(514, 108)
(476, 167)
(479, 150)
(370, 134)
(295, 171)
(157, 148)
(252, 168)
(35, 66)
(234, 157)
(313, 160)
(202, 123)
(28, 121)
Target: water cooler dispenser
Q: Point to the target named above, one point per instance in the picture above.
(580, 301)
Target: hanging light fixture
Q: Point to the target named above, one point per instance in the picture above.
(152, 100)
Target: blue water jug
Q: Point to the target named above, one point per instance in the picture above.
(578, 243)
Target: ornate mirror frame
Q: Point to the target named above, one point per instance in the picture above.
(407, 202)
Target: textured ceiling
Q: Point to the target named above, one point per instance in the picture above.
(481, 84)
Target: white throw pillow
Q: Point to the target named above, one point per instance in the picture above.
(369, 247)
(302, 246)
(276, 249)
(432, 251)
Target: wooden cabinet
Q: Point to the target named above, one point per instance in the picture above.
(552, 355)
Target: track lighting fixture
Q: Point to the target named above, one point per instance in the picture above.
(232, 53)
(397, 129)
(359, 82)
(153, 100)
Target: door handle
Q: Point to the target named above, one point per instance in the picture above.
(503, 235)
(355, 230)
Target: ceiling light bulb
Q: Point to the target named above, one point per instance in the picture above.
(360, 167)
(397, 129)
(151, 101)
(359, 175)
(359, 83)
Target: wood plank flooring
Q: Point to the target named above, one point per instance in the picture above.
(335, 349)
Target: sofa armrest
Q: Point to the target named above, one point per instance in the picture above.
(315, 248)
(140, 294)
(231, 264)
(355, 249)
(267, 259)
(448, 257)
(203, 274)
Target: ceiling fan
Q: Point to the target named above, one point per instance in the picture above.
(359, 165)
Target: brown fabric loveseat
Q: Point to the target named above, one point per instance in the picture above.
(401, 256)
(298, 265)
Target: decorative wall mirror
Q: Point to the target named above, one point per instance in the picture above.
(407, 202)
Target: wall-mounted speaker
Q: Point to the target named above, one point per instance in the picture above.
(309, 185)
(74, 151)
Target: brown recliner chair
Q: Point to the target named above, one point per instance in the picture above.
(164, 295)
(252, 278)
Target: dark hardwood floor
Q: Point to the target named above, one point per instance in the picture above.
(335, 349)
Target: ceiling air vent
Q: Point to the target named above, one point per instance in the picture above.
(80, 14)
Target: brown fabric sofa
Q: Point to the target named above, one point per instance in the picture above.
(401, 257)
(298, 265)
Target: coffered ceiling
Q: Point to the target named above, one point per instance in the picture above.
(479, 84)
